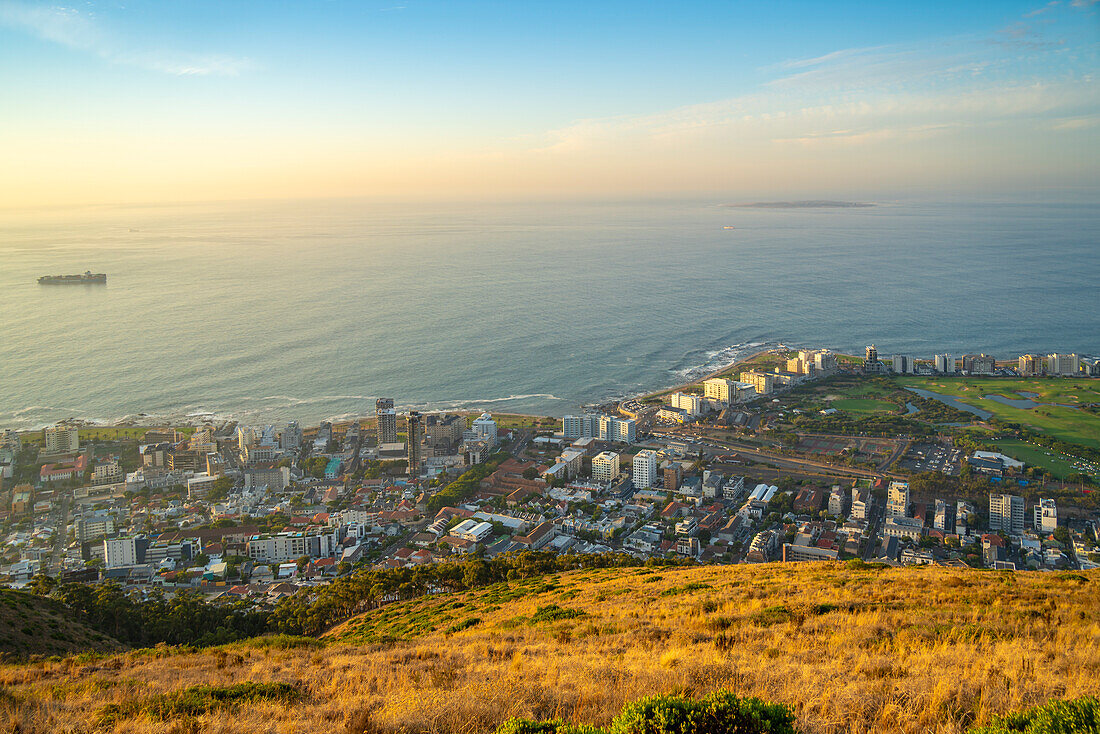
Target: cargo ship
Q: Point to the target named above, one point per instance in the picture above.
(86, 277)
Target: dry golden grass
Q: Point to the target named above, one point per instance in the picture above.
(899, 650)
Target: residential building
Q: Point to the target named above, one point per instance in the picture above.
(945, 364)
(108, 472)
(839, 502)
(644, 472)
(61, 440)
(580, 426)
(862, 502)
(605, 466)
(1063, 364)
(963, 511)
(620, 430)
(387, 420)
(485, 429)
(291, 437)
(727, 392)
(763, 383)
(979, 364)
(902, 364)
(1046, 516)
(870, 356)
(1030, 365)
(1006, 513)
(903, 527)
(941, 520)
(897, 499)
(672, 474)
(118, 552)
(414, 429)
(672, 414)
(94, 527)
(444, 430)
(199, 486)
(802, 553)
(824, 362)
(694, 405)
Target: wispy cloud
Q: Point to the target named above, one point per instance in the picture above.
(81, 31)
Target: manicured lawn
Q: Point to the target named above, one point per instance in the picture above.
(863, 405)
(1067, 423)
(1058, 465)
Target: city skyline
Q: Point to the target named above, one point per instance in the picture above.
(105, 103)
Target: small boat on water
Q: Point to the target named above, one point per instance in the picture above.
(729, 227)
(87, 277)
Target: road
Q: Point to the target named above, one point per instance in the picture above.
(60, 535)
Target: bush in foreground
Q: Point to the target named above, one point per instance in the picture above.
(1080, 716)
(718, 713)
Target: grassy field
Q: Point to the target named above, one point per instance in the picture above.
(1054, 416)
(863, 405)
(849, 649)
(1059, 466)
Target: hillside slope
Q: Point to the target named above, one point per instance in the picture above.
(32, 625)
(849, 649)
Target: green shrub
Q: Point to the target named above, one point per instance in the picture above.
(552, 613)
(1080, 716)
(718, 713)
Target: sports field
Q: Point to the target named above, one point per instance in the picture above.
(1058, 403)
(1058, 465)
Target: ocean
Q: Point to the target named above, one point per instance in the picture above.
(310, 309)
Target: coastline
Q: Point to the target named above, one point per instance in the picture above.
(168, 420)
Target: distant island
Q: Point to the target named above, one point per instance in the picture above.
(816, 204)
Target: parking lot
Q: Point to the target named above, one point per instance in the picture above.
(933, 457)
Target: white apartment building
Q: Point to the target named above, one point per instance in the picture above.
(1063, 364)
(1046, 516)
(200, 485)
(902, 364)
(945, 364)
(903, 527)
(605, 466)
(485, 429)
(695, 405)
(120, 552)
(645, 469)
(897, 499)
(61, 440)
(727, 392)
(1006, 513)
(573, 459)
(291, 546)
(613, 428)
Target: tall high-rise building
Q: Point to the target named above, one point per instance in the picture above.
(61, 440)
(485, 428)
(1063, 364)
(415, 433)
(387, 421)
(897, 499)
(979, 364)
(871, 355)
(645, 469)
(1030, 365)
(945, 364)
(903, 364)
(605, 466)
(1046, 516)
(1006, 513)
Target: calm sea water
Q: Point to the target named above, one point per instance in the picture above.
(311, 309)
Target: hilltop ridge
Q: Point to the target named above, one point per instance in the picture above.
(849, 648)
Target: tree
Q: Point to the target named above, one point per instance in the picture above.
(530, 473)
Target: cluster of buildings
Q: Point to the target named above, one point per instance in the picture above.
(1028, 365)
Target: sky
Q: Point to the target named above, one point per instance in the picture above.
(131, 102)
